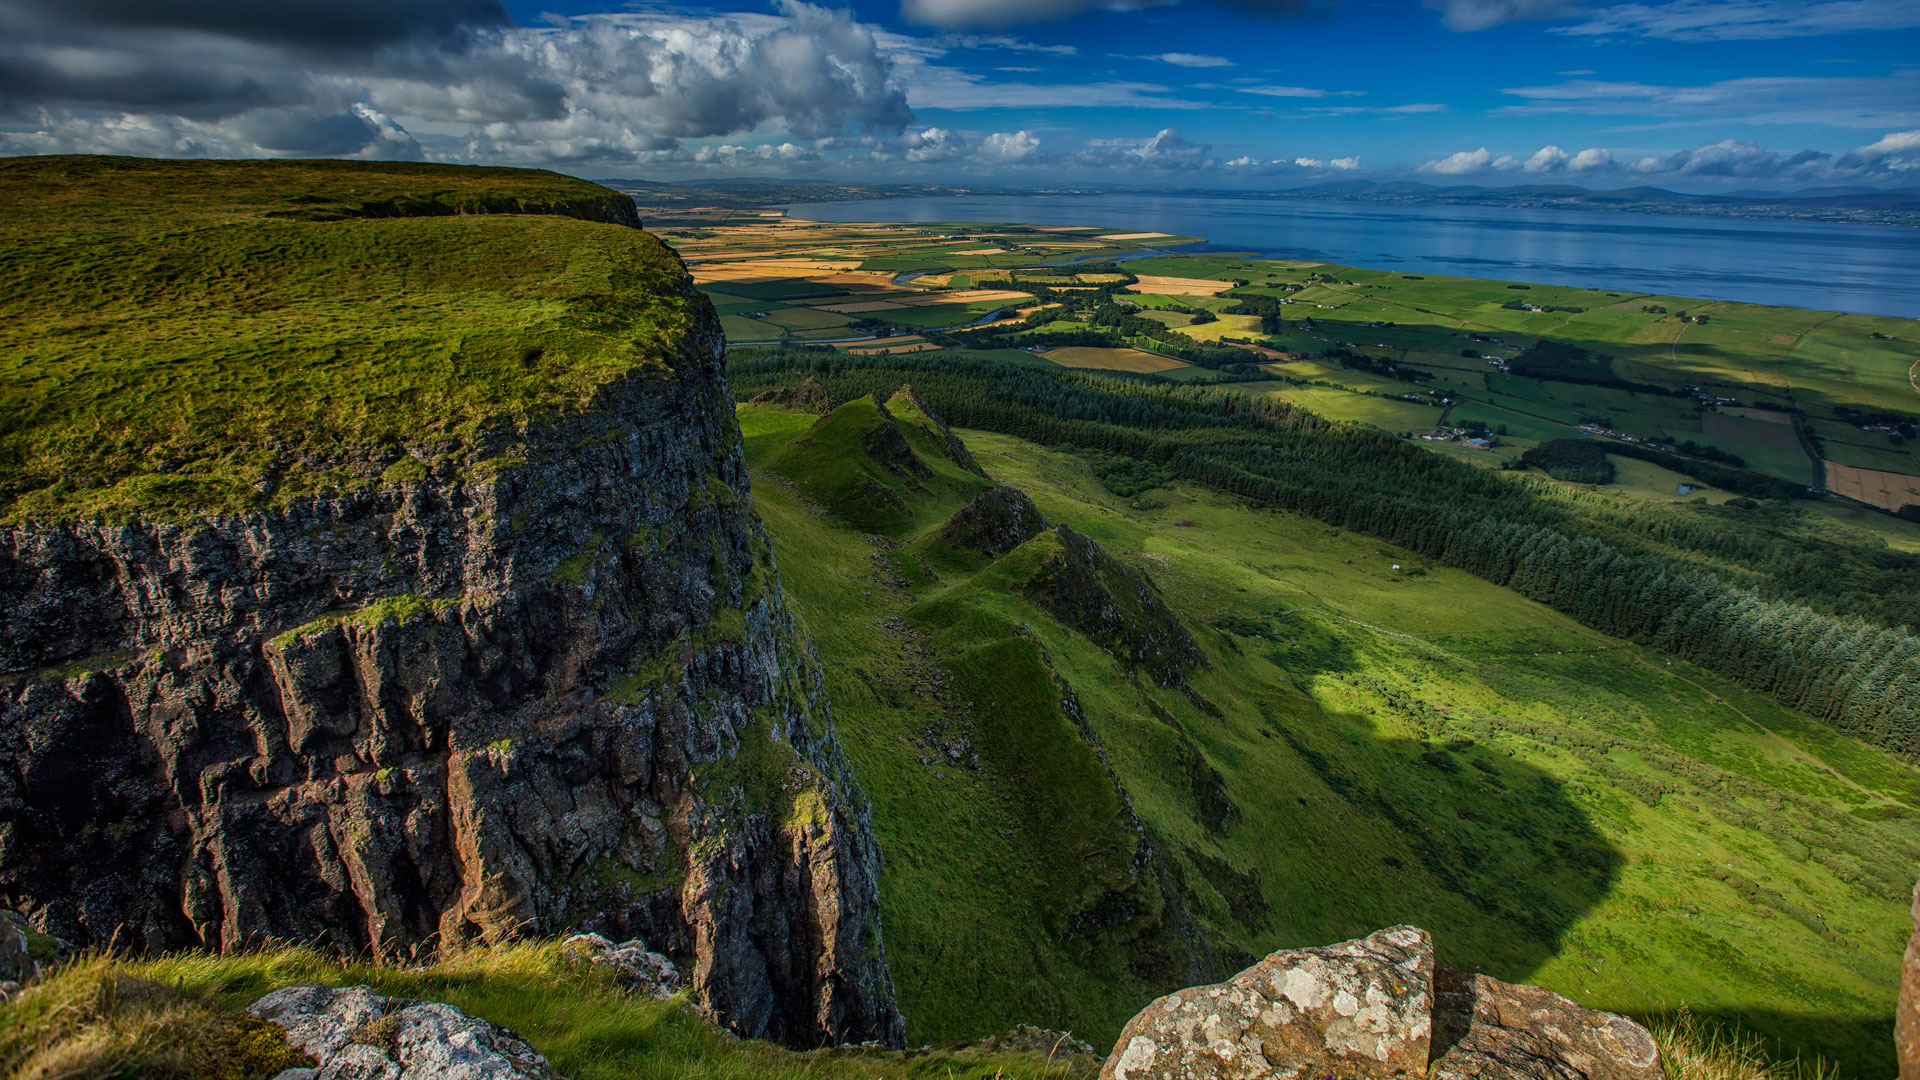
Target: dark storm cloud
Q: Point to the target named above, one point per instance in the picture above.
(214, 77)
(293, 24)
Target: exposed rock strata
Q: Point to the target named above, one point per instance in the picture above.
(1376, 1007)
(555, 685)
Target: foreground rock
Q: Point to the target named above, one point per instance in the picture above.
(1485, 1029)
(1376, 1007)
(356, 1034)
(1359, 1008)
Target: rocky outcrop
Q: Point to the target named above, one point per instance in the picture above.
(1115, 605)
(956, 449)
(1376, 1007)
(1906, 1027)
(637, 969)
(552, 684)
(809, 396)
(356, 1034)
(998, 520)
(1359, 1008)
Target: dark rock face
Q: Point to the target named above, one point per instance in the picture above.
(1371, 1008)
(1906, 1026)
(889, 448)
(809, 396)
(562, 693)
(998, 520)
(1115, 605)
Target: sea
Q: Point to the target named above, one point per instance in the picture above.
(1861, 269)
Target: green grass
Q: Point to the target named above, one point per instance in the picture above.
(1365, 746)
(180, 1018)
(190, 337)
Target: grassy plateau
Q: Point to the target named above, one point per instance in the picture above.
(278, 324)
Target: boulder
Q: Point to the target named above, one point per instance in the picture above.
(1376, 1007)
(1485, 1029)
(1361, 1008)
(357, 1034)
(638, 969)
(1906, 1024)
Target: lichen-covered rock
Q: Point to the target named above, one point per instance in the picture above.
(553, 685)
(1485, 1029)
(1906, 1028)
(639, 969)
(356, 1034)
(998, 520)
(1361, 1008)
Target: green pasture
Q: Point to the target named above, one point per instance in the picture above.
(1376, 745)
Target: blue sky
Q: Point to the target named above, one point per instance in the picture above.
(1691, 94)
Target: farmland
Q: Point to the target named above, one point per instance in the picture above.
(1809, 402)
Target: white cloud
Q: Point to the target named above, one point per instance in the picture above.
(1745, 20)
(1347, 164)
(1547, 159)
(1008, 146)
(1485, 14)
(1854, 101)
(1459, 163)
(1298, 91)
(1593, 157)
(1895, 153)
(1167, 150)
(1308, 163)
(935, 144)
(1192, 60)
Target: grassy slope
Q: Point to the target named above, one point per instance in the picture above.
(176, 1018)
(1557, 806)
(175, 332)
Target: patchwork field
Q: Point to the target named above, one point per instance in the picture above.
(1111, 359)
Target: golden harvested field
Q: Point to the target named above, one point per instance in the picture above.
(1179, 286)
(1886, 490)
(895, 345)
(1082, 356)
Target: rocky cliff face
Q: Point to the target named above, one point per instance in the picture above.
(551, 684)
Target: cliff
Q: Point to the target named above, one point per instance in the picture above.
(506, 677)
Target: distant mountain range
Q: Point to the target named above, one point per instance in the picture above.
(1861, 205)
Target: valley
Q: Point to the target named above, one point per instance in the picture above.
(1368, 738)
